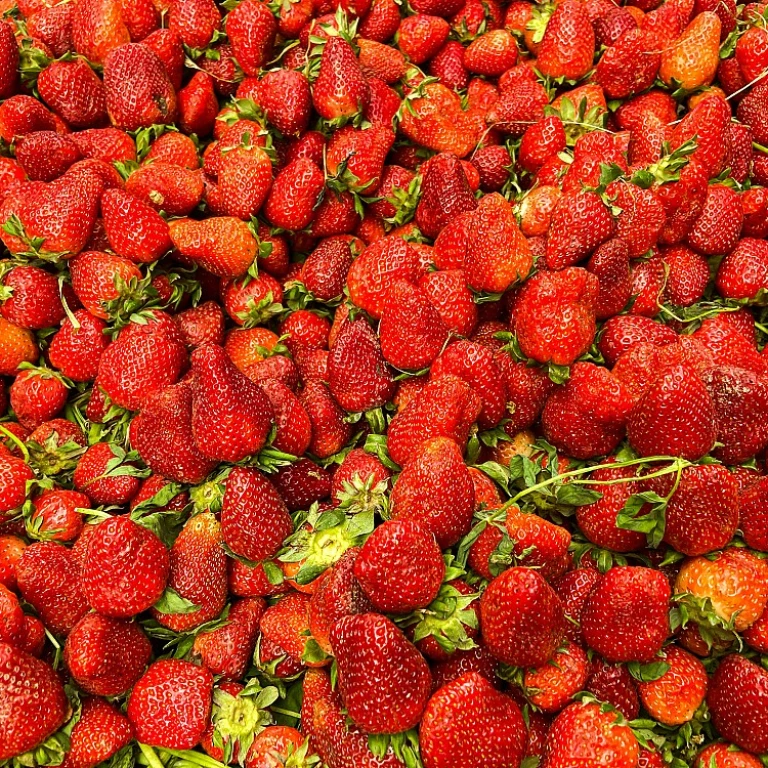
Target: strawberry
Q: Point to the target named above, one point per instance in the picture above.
(294, 429)
(37, 395)
(491, 53)
(673, 698)
(48, 580)
(625, 618)
(138, 90)
(134, 230)
(555, 315)
(340, 90)
(630, 63)
(17, 346)
(522, 618)
(156, 719)
(126, 568)
(330, 431)
(10, 57)
(744, 271)
(743, 601)
(613, 684)
(411, 331)
(251, 498)
(723, 755)
(251, 30)
(11, 550)
(198, 573)
(568, 44)
(736, 698)
(718, 227)
(302, 483)
(469, 723)
(421, 36)
(446, 407)
(688, 275)
(56, 514)
(222, 245)
(203, 324)
(552, 685)
(586, 732)
(295, 195)
(106, 656)
(32, 298)
(676, 416)
(23, 114)
(227, 650)
(76, 351)
(46, 155)
(435, 489)
(98, 29)
(383, 680)
(195, 21)
(146, 357)
(610, 264)
(100, 280)
(622, 332)
(12, 628)
(325, 270)
(29, 226)
(448, 292)
(385, 567)
(285, 97)
(752, 517)
(175, 149)
(692, 61)
(170, 188)
(231, 416)
(357, 374)
(586, 418)
(373, 271)
(34, 704)
(445, 193)
(101, 732)
(244, 180)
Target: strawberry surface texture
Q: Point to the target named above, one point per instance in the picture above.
(383, 384)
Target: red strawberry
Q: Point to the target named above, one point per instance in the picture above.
(177, 191)
(11, 550)
(719, 755)
(231, 416)
(552, 686)
(251, 29)
(171, 703)
(10, 57)
(522, 618)
(227, 650)
(610, 264)
(555, 315)
(330, 431)
(718, 227)
(613, 684)
(421, 36)
(46, 155)
(222, 245)
(625, 618)
(448, 292)
(126, 568)
(34, 704)
(48, 580)
(243, 182)
(103, 474)
(56, 515)
(325, 270)
(469, 723)
(744, 271)
(294, 429)
(196, 21)
(37, 395)
(752, 514)
(676, 416)
(340, 90)
(737, 700)
(446, 407)
(31, 298)
(384, 681)
(445, 193)
(198, 574)
(688, 275)
(134, 229)
(254, 518)
(295, 195)
(302, 483)
(106, 656)
(588, 733)
(568, 44)
(400, 567)
(101, 732)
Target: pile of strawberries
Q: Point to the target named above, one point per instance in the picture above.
(383, 384)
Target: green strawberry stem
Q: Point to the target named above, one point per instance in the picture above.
(150, 756)
(15, 440)
(190, 756)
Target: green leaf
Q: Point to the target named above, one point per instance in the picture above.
(172, 602)
(646, 673)
(576, 495)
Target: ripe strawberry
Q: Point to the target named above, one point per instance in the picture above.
(737, 699)
(11, 550)
(400, 567)
(468, 723)
(676, 416)
(340, 90)
(170, 188)
(231, 416)
(724, 755)
(22, 114)
(254, 518)
(198, 573)
(692, 60)
(37, 395)
(522, 618)
(222, 245)
(294, 429)
(622, 332)
(446, 407)
(330, 431)
(295, 194)
(384, 681)
(106, 656)
(48, 580)
(555, 315)
(227, 650)
(744, 271)
(752, 515)
(9, 76)
(613, 684)
(126, 568)
(421, 36)
(76, 351)
(46, 155)
(568, 44)
(243, 182)
(17, 346)
(586, 732)
(448, 292)
(98, 29)
(100, 280)
(251, 30)
(56, 517)
(101, 732)
(625, 618)
(445, 193)
(553, 685)
(12, 627)
(325, 270)
(357, 373)
(29, 225)
(32, 298)
(717, 228)
(673, 698)
(153, 710)
(34, 704)
(134, 230)
(733, 581)
(302, 483)
(196, 21)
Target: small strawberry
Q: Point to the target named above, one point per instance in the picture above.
(295, 195)
(717, 228)
(721, 755)
(152, 709)
(196, 21)
(222, 245)
(37, 395)
(134, 230)
(626, 617)
(330, 430)
(101, 732)
(56, 516)
(744, 271)
(421, 36)
(384, 681)
(173, 189)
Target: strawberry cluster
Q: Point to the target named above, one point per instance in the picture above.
(384, 384)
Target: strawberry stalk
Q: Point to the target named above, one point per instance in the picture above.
(15, 440)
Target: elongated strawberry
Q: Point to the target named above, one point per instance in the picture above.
(340, 90)
(568, 44)
(251, 29)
